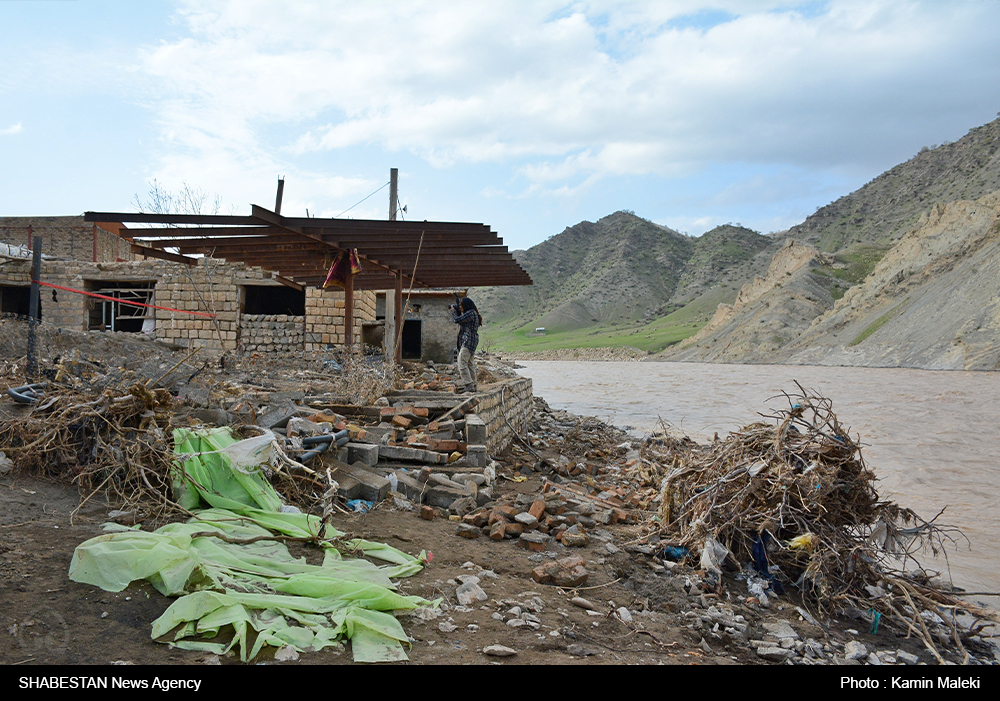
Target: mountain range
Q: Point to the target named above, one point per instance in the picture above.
(901, 272)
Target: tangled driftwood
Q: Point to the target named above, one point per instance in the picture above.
(794, 495)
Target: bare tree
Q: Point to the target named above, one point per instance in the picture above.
(190, 200)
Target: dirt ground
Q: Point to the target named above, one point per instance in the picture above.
(46, 619)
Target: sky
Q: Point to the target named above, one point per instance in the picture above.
(527, 116)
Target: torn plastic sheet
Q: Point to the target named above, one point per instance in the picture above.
(231, 572)
(216, 468)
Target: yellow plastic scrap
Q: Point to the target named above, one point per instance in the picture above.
(806, 541)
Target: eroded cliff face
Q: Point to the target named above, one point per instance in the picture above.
(933, 301)
(768, 312)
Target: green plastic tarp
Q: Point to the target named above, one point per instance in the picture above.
(230, 572)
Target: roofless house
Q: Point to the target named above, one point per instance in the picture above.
(262, 276)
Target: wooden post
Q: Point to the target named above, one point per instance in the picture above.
(393, 185)
(397, 315)
(348, 306)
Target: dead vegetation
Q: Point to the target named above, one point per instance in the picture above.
(116, 442)
(793, 496)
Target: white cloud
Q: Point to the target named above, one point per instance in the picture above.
(567, 94)
(13, 129)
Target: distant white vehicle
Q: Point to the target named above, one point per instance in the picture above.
(540, 329)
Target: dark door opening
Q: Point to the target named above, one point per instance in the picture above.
(411, 339)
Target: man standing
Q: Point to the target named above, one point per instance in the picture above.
(469, 320)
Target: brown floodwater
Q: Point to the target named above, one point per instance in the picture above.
(932, 437)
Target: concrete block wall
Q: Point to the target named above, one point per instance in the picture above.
(508, 402)
(272, 333)
(70, 238)
(324, 320)
(212, 286)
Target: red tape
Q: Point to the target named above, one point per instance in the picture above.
(122, 301)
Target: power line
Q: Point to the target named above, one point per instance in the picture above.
(359, 202)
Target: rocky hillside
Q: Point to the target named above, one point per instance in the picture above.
(621, 268)
(931, 302)
(890, 205)
(900, 272)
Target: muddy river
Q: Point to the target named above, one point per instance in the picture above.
(932, 437)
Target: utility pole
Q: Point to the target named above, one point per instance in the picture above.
(393, 183)
(277, 199)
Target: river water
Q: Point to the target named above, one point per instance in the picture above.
(932, 437)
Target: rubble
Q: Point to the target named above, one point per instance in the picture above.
(576, 503)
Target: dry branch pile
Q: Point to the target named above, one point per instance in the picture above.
(116, 442)
(795, 497)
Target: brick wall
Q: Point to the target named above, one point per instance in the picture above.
(212, 286)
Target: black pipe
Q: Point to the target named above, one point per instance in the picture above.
(323, 443)
(25, 394)
(326, 438)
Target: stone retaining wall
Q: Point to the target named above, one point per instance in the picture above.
(509, 402)
(272, 333)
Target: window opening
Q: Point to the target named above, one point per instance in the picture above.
(268, 299)
(15, 299)
(111, 315)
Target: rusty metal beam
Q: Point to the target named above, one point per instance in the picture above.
(169, 232)
(144, 218)
(163, 255)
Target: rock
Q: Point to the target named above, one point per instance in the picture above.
(565, 572)
(497, 530)
(427, 513)
(467, 530)
(582, 603)
(286, 654)
(854, 650)
(775, 654)
(575, 537)
(462, 506)
(781, 630)
(469, 593)
(499, 651)
(527, 520)
(533, 540)
(906, 658)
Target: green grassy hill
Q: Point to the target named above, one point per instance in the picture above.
(622, 280)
